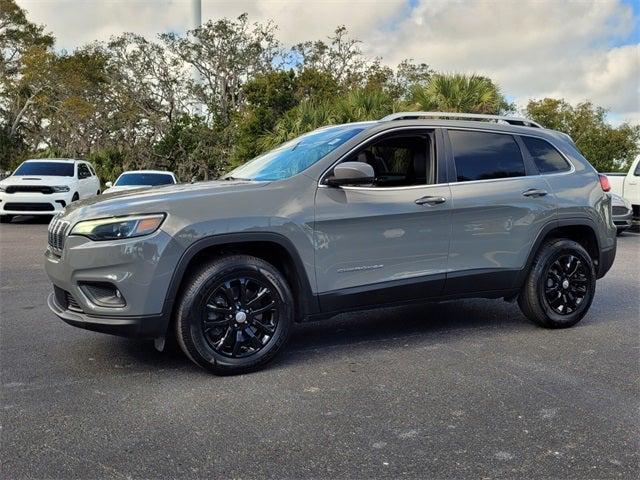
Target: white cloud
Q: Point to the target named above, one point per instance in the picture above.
(532, 48)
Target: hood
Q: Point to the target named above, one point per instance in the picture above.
(44, 180)
(152, 200)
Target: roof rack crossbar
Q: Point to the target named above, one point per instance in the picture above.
(462, 116)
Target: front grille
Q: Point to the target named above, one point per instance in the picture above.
(619, 210)
(29, 207)
(58, 230)
(29, 188)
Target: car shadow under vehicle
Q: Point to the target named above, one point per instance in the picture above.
(365, 330)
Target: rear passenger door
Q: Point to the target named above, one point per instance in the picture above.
(499, 206)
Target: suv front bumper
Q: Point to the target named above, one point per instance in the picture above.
(149, 326)
(23, 203)
(140, 268)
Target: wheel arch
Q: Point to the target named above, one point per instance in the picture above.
(272, 247)
(580, 230)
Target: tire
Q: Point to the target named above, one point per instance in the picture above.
(222, 332)
(6, 218)
(560, 286)
(75, 197)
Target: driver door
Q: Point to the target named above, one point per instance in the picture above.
(388, 241)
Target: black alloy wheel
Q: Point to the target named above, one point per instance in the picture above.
(240, 316)
(566, 284)
(560, 285)
(234, 314)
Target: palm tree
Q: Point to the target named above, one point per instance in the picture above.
(458, 93)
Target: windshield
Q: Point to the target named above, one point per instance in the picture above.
(152, 179)
(296, 155)
(55, 169)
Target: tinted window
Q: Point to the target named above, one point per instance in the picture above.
(146, 179)
(399, 161)
(56, 169)
(637, 172)
(546, 157)
(482, 156)
(83, 171)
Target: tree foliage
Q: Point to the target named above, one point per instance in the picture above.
(218, 95)
(608, 148)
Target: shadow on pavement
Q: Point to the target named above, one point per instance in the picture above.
(31, 220)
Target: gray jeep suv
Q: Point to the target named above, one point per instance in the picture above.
(415, 207)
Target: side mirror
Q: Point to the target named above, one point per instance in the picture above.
(351, 173)
(108, 184)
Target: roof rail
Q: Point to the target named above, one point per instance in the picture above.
(525, 122)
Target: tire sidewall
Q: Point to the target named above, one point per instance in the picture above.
(193, 311)
(558, 250)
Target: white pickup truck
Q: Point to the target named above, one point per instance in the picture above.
(628, 185)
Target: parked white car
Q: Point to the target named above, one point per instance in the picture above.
(140, 179)
(628, 185)
(46, 186)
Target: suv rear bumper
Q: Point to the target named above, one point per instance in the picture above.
(149, 326)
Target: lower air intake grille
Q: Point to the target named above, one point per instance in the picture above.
(29, 207)
(72, 304)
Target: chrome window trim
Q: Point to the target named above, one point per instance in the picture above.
(384, 132)
(431, 127)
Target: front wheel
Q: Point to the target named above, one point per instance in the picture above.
(560, 286)
(234, 314)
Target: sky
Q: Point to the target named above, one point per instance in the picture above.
(577, 50)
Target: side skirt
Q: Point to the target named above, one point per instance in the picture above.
(437, 288)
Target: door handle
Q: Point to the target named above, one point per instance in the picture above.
(429, 200)
(535, 192)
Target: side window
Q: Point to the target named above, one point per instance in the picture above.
(400, 160)
(93, 172)
(83, 171)
(545, 156)
(637, 171)
(484, 156)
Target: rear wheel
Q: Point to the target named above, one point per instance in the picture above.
(560, 286)
(234, 315)
(6, 218)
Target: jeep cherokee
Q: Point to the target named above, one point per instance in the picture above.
(415, 207)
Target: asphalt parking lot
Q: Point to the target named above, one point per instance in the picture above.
(458, 390)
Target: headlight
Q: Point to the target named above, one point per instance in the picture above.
(60, 188)
(115, 228)
(3, 189)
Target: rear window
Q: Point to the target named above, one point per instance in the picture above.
(55, 169)
(143, 179)
(484, 156)
(545, 156)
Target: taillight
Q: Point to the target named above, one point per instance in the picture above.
(604, 182)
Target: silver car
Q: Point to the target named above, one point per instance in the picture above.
(413, 207)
